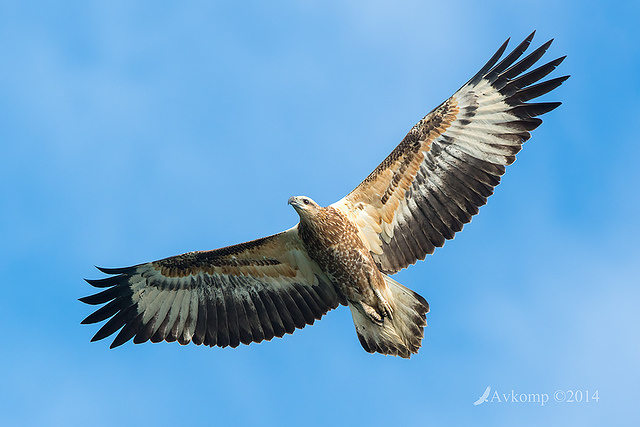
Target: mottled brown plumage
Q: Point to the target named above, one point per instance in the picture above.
(424, 192)
(332, 241)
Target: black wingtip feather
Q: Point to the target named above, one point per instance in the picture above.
(108, 310)
(535, 91)
(119, 270)
(509, 59)
(526, 111)
(128, 331)
(105, 282)
(490, 63)
(101, 297)
(116, 322)
(526, 125)
(525, 63)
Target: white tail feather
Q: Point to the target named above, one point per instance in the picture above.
(399, 334)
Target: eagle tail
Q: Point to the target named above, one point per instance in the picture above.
(401, 332)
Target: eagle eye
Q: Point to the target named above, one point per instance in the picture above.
(305, 201)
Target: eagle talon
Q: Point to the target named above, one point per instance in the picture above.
(384, 306)
(372, 314)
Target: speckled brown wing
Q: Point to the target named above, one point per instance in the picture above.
(435, 180)
(245, 293)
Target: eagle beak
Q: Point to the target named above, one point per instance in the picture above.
(291, 200)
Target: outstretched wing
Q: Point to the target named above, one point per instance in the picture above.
(435, 180)
(245, 293)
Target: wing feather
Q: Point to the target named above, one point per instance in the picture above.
(447, 166)
(200, 330)
(245, 293)
(276, 321)
(211, 336)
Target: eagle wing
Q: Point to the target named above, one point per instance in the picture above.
(245, 293)
(435, 180)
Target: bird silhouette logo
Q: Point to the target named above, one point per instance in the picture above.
(484, 396)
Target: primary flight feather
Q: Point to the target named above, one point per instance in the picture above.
(430, 185)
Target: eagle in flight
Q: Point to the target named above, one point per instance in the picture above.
(430, 185)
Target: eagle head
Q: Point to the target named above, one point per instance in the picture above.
(303, 205)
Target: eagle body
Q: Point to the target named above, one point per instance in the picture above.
(332, 241)
(421, 195)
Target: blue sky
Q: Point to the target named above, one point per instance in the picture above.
(132, 131)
